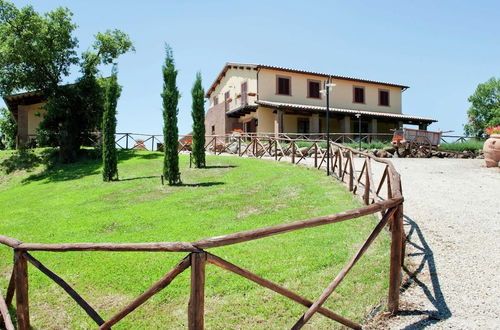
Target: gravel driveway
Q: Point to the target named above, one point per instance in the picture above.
(452, 219)
(452, 222)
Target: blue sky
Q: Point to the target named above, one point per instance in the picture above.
(441, 49)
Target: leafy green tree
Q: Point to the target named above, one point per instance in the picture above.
(8, 130)
(109, 159)
(485, 108)
(79, 107)
(37, 52)
(170, 97)
(198, 115)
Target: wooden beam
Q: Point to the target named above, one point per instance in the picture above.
(249, 235)
(9, 241)
(196, 308)
(333, 285)
(12, 286)
(278, 289)
(66, 287)
(366, 193)
(4, 315)
(396, 258)
(157, 287)
(22, 302)
(370, 178)
(124, 247)
(384, 175)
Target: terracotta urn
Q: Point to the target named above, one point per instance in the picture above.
(491, 150)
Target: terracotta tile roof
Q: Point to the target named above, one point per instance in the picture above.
(326, 75)
(314, 108)
(252, 66)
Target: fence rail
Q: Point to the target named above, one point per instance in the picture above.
(341, 161)
(127, 141)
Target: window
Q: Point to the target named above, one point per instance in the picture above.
(244, 91)
(283, 85)
(226, 100)
(216, 100)
(213, 129)
(359, 94)
(303, 125)
(313, 89)
(383, 97)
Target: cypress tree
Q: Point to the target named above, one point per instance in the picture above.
(198, 114)
(112, 93)
(170, 97)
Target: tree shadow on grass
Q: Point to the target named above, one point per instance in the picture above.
(57, 172)
(141, 178)
(416, 239)
(201, 184)
(89, 163)
(220, 166)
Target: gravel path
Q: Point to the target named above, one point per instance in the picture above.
(452, 219)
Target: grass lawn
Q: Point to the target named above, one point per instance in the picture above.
(71, 204)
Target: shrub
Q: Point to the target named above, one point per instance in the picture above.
(470, 145)
(8, 130)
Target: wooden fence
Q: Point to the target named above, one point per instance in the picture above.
(127, 141)
(342, 164)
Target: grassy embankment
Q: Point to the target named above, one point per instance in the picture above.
(70, 203)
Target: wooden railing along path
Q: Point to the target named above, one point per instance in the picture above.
(342, 165)
(127, 141)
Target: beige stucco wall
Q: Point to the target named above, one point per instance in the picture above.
(341, 96)
(266, 120)
(232, 82)
(35, 116)
(28, 120)
(290, 123)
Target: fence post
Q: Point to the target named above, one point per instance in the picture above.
(275, 149)
(215, 145)
(153, 143)
(293, 152)
(197, 295)
(315, 154)
(366, 194)
(331, 159)
(396, 252)
(351, 171)
(239, 146)
(340, 164)
(126, 141)
(22, 303)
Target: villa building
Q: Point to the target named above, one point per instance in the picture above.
(26, 108)
(269, 100)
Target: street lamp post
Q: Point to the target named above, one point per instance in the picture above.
(328, 87)
(358, 115)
